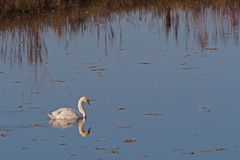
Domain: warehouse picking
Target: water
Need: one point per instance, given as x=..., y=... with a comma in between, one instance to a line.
x=155, y=93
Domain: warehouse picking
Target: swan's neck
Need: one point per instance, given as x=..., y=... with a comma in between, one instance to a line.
x=81, y=109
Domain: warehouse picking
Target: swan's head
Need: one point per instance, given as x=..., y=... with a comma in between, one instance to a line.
x=85, y=99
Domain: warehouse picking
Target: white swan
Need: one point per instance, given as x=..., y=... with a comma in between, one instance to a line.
x=69, y=113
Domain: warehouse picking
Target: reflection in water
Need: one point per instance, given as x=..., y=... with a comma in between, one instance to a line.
x=66, y=123
x=22, y=39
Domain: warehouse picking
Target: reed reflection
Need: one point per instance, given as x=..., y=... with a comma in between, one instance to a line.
x=66, y=123
x=22, y=39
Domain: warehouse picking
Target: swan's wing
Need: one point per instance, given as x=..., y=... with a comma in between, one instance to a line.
x=64, y=113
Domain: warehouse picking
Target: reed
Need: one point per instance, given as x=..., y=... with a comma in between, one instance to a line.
x=12, y=8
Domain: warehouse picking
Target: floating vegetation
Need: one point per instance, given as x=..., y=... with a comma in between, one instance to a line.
x=187, y=55
x=113, y=150
x=92, y=67
x=130, y=140
x=123, y=49
x=19, y=106
x=82, y=62
x=188, y=68
x=57, y=81
x=3, y=133
x=121, y=108
x=123, y=126
x=204, y=151
x=211, y=49
x=17, y=81
x=36, y=125
x=144, y=62
x=205, y=109
x=98, y=69
x=218, y=149
x=62, y=144
x=25, y=148
x=152, y=114
x=38, y=139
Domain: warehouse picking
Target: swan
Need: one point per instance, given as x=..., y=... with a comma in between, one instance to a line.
x=69, y=113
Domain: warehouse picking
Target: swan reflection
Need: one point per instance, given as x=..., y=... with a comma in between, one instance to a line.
x=66, y=123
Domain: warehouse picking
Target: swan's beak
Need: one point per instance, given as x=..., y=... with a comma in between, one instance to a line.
x=89, y=103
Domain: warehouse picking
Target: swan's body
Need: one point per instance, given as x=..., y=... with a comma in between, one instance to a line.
x=69, y=113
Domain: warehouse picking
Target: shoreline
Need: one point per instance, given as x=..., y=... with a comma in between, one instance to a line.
x=15, y=8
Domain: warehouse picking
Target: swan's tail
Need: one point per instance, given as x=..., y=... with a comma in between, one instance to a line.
x=50, y=115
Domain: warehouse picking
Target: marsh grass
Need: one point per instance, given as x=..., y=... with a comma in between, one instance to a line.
x=9, y=8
